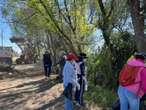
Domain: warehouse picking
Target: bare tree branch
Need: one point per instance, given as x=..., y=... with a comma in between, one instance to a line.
x=111, y=8
x=55, y=23
x=102, y=8
x=69, y=17
x=23, y=20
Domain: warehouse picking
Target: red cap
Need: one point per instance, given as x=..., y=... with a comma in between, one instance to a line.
x=72, y=56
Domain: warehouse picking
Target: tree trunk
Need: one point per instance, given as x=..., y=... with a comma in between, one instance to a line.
x=138, y=24
x=144, y=2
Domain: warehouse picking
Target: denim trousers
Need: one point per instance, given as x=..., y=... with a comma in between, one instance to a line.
x=128, y=99
x=47, y=69
x=68, y=104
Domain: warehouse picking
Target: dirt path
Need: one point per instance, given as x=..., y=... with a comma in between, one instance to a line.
x=28, y=89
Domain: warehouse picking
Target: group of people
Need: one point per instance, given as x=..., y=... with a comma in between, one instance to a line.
x=72, y=74
x=74, y=79
x=132, y=80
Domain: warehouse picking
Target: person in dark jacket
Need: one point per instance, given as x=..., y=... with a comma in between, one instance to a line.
x=47, y=63
x=61, y=63
x=81, y=79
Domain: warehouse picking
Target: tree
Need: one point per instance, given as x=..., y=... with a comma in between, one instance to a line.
x=137, y=14
x=43, y=23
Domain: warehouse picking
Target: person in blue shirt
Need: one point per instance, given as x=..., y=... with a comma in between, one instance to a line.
x=70, y=79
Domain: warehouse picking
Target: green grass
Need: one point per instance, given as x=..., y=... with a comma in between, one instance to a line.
x=99, y=96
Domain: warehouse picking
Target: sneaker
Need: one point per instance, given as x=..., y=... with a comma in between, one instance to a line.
x=77, y=104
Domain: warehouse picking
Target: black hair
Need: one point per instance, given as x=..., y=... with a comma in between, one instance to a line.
x=141, y=56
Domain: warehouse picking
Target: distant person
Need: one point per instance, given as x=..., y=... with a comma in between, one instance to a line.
x=47, y=63
x=81, y=79
x=70, y=80
x=61, y=63
x=132, y=82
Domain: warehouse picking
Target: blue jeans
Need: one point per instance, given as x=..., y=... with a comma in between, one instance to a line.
x=47, y=69
x=68, y=104
x=128, y=99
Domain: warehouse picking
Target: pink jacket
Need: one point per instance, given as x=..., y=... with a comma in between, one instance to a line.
x=138, y=88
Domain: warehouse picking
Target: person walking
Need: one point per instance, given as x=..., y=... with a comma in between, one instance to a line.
x=132, y=82
x=81, y=79
x=47, y=63
x=70, y=80
x=61, y=63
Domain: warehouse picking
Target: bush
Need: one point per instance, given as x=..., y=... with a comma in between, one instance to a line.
x=100, y=96
x=104, y=66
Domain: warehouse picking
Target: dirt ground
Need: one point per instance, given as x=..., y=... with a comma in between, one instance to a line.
x=26, y=88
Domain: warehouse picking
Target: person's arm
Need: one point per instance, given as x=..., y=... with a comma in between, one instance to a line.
x=82, y=68
x=49, y=59
x=143, y=79
x=43, y=59
x=74, y=79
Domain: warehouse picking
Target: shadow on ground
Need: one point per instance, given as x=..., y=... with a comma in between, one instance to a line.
x=28, y=89
x=58, y=102
x=25, y=90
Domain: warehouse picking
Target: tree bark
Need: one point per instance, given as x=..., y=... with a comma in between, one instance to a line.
x=138, y=24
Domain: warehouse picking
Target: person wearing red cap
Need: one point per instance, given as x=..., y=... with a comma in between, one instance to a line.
x=70, y=80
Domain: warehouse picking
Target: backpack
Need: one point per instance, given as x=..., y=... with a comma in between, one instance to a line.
x=128, y=75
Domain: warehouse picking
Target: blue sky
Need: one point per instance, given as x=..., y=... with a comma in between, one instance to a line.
x=7, y=33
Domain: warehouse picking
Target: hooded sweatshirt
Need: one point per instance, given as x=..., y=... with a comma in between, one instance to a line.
x=137, y=87
x=69, y=74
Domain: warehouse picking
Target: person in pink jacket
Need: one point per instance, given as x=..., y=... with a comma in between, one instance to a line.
x=130, y=94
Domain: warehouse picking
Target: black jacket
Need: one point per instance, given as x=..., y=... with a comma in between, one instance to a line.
x=47, y=59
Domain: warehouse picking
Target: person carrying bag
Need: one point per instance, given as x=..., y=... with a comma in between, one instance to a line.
x=132, y=85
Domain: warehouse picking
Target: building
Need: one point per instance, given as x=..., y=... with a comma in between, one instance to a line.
x=6, y=55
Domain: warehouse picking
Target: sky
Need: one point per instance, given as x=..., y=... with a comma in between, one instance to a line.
x=7, y=34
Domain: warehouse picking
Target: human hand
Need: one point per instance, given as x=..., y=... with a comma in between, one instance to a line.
x=78, y=86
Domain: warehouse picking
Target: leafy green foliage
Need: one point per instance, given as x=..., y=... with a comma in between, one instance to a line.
x=104, y=67
x=101, y=96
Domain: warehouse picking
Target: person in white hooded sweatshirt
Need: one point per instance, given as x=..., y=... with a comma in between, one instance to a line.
x=70, y=79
